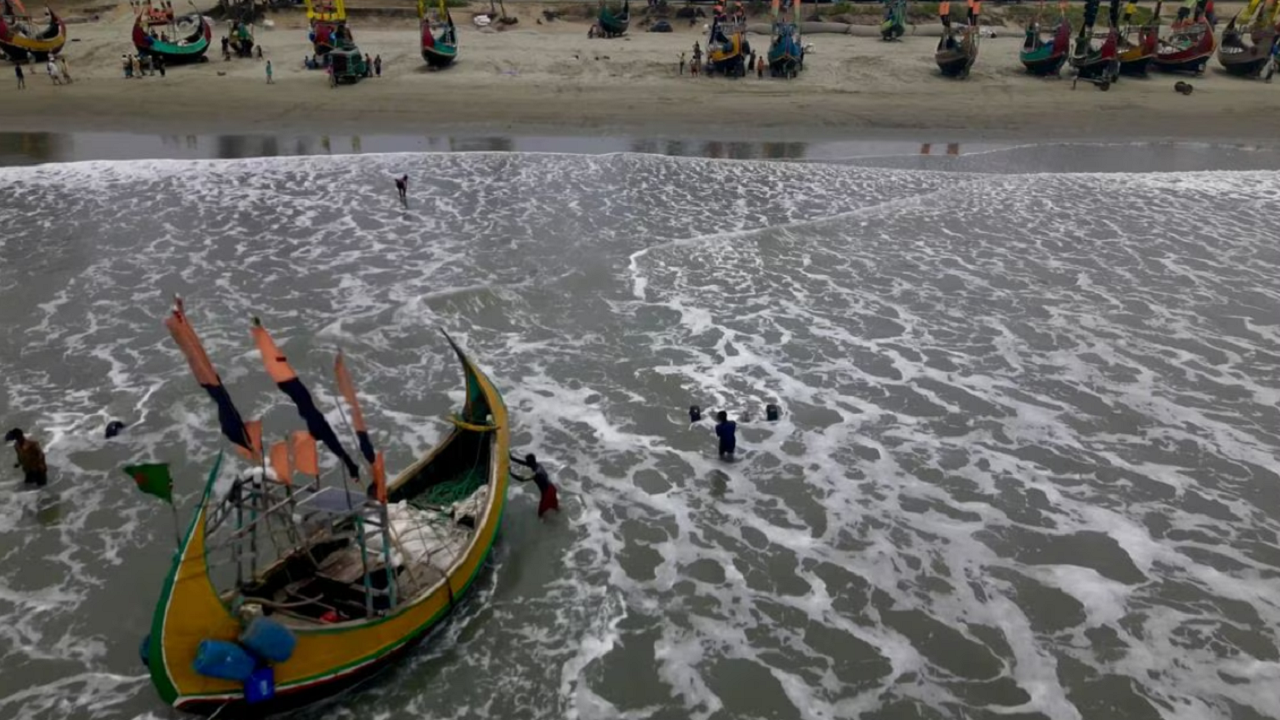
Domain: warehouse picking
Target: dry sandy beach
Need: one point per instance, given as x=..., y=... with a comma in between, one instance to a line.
x=551, y=78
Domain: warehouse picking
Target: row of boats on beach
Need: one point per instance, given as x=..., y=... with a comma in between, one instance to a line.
x=1249, y=46
x=158, y=31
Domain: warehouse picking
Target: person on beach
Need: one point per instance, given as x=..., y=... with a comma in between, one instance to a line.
x=680, y=67
x=377, y=66
x=137, y=67
x=402, y=187
x=726, y=430
x=760, y=68
x=128, y=68
x=30, y=458
x=269, y=80
x=368, y=66
x=62, y=70
x=226, y=48
x=52, y=69
x=22, y=79
x=160, y=64
x=693, y=68
x=548, y=499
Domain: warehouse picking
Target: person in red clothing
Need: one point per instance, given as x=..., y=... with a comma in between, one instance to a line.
x=549, y=500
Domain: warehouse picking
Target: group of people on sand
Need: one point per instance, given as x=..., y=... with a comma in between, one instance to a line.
x=138, y=65
x=55, y=66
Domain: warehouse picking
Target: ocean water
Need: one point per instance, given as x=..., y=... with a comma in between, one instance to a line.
x=1025, y=467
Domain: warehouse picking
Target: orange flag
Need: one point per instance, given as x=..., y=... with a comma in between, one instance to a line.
x=380, y=478
x=280, y=462
x=304, y=453
x=254, y=429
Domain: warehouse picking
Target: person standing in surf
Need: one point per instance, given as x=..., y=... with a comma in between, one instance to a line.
x=30, y=458
x=402, y=187
x=548, y=499
x=726, y=430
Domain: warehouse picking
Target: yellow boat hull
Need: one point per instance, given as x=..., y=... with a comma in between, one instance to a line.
x=327, y=658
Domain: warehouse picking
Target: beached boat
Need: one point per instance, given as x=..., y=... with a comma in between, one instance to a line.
x=347, y=66
x=1137, y=44
x=281, y=593
x=329, y=29
x=786, y=50
x=1190, y=45
x=614, y=24
x=958, y=48
x=1046, y=48
x=727, y=47
x=1096, y=62
x=894, y=23
x=439, y=43
x=1248, y=39
x=191, y=48
x=20, y=36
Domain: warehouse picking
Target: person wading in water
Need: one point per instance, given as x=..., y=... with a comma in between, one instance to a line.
x=402, y=187
x=726, y=430
x=30, y=458
x=549, y=500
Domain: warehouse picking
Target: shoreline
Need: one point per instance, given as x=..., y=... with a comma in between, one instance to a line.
x=549, y=79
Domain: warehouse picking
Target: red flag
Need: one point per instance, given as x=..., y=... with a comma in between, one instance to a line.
x=380, y=478
x=304, y=453
x=280, y=462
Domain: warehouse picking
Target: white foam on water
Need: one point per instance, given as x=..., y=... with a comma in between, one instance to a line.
x=1027, y=437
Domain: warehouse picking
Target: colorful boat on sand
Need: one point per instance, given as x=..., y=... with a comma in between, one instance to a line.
x=786, y=49
x=1248, y=42
x=611, y=23
x=894, y=23
x=189, y=49
x=958, y=48
x=727, y=46
x=21, y=37
x=1045, y=49
x=439, y=42
x=1137, y=44
x=328, y=25
x=1098, y=63
x=1191, y=43
x=283, y=593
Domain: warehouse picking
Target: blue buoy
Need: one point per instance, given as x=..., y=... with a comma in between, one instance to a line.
x=269, y=640
x=261, y=686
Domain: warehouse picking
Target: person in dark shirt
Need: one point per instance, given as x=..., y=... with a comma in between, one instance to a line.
x=402, y=187
x=549, y=500
x=30, y=458
x=726, y=430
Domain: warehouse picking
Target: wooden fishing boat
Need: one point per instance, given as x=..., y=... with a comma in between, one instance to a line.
x=1045, y=49
x=329, y=29
x=958, y=47
x=1188, y=48
x=1098, y=63
x=614, y=24
x=360, y=577
x=786, y=54
x=1248, y=39
x=727, y=47
x=19, y=35
x=894, y=24
x=439, y=44
x=1137, y=45
x=347, y=66
x=190, y=49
